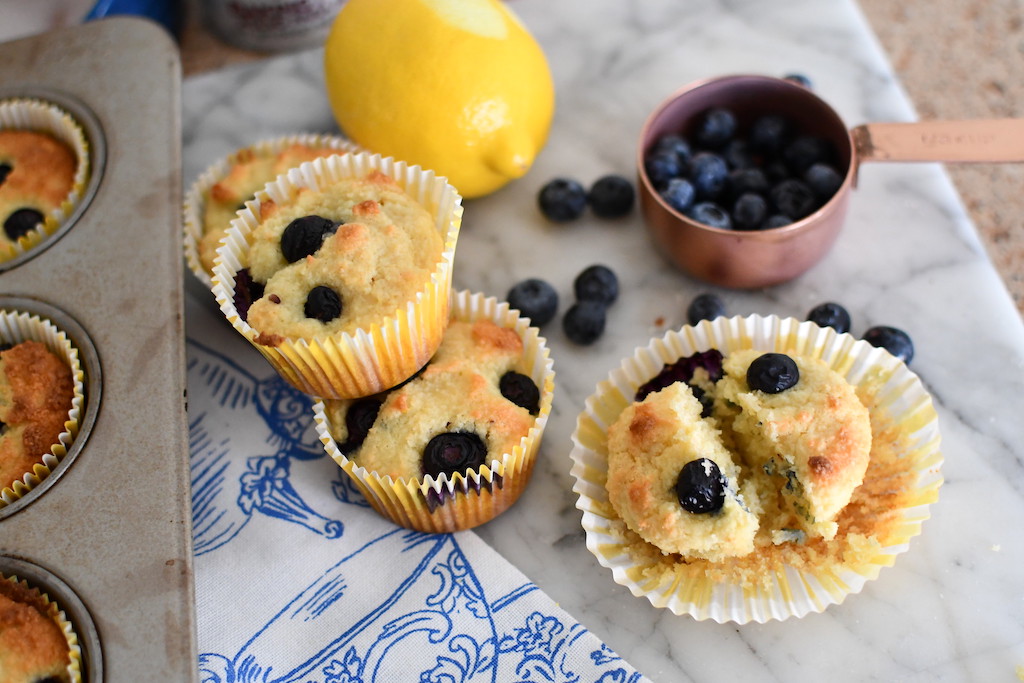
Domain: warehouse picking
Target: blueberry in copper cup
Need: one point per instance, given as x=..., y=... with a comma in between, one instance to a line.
x=806, y=155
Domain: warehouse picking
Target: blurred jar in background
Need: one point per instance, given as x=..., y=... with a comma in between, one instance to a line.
x=271, y=25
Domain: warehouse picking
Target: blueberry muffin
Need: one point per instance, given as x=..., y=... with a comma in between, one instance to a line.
x=36, y=392
x=801, y=425
x=674, y=483
x=250, y=169
x=768, y=448
x=339, y=259
x=37, y=174
x=33, y=647
x=467, y=407
x=339, y=273
x=454, y=446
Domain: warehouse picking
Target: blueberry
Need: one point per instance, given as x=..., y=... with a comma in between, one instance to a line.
x=743, y=180
x=520, y=390
x=769, y=134
x=830, y=315
x=793, y=198
x=737, y=154
x=675, y=144
x=749, y=211
x=596, y=283
x=535, y=299
x=679, y=194
x=5, y=170
x=663, y=166
x=323, y=304
x=892, y=339
x=21, y=223
x=701, y=486
x=772, y=373
x=714, y=128
x=799, y=79
x=360, y=417
x=777, y=221
x=824, y=180
x=709, y=174
x=683, y=370
x=710, y=214
x=706, y=306
x=562, y=199
x=775, y=171
x=611, y=196
x=304, y=236
x=805, y=151
x=584, y=322
x=247, y=291
x=451, y=452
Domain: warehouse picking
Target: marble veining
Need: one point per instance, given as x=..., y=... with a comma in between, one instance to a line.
x=952, y=607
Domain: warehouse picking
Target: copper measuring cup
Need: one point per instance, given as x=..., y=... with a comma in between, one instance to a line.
x=759, y=258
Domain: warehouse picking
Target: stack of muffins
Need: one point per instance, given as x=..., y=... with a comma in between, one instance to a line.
x=339, y=272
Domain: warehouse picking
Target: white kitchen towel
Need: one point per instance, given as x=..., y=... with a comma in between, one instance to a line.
x=298, y=579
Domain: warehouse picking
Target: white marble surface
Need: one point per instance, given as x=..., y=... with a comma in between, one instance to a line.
x=952, y=607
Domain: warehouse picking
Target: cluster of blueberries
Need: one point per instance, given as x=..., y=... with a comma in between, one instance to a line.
x=595, y=288
x=565, y=199
x=708, y=306
x=767, y=176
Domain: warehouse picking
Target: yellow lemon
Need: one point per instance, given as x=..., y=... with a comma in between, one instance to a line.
x=459, y=87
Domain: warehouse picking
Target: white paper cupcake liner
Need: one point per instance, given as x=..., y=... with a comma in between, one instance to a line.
x=468, y=500
x=900, y=403
x=367, y=360
x=16, y=327
x=194, y=205
x=43, y=117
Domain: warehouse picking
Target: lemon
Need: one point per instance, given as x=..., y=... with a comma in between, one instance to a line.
x=459, y=87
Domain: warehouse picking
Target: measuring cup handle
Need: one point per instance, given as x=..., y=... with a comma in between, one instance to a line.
x=979, y=140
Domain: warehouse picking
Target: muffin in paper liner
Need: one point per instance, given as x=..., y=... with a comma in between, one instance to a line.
x=21, y=591
x=194, y=205
x=19, y=326
x=467, y=501
x=44, y=117
x=902, y=480
x=367, y=360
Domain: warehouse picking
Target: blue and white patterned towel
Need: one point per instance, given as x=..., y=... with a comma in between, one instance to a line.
x=298, y=579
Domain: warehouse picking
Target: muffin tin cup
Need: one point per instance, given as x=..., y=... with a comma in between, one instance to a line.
x=366, y=360
x=55, y=612
x=194, y=204
x=484, y=494
x=45, y=117
x=900, y=409
x=18, y=326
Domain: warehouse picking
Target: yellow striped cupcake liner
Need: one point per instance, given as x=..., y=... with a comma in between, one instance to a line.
x=194, y=205
x=44, y=117
x=905, y=459
x=367, y=360
x=484, y=494
x=19, y=326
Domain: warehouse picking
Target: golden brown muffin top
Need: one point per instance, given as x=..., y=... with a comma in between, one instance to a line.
x=36, y=389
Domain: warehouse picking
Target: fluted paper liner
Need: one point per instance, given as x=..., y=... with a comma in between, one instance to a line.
x=901, y=403
x=367, y=360
x=44, y=117
x=484, y=494
x=16, y=327
x=194, y=205
x=54, y=611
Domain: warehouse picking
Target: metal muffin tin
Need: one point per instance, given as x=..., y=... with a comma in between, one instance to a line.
x=108, y=534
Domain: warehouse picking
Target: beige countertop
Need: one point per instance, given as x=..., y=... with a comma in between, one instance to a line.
x=956, y=59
